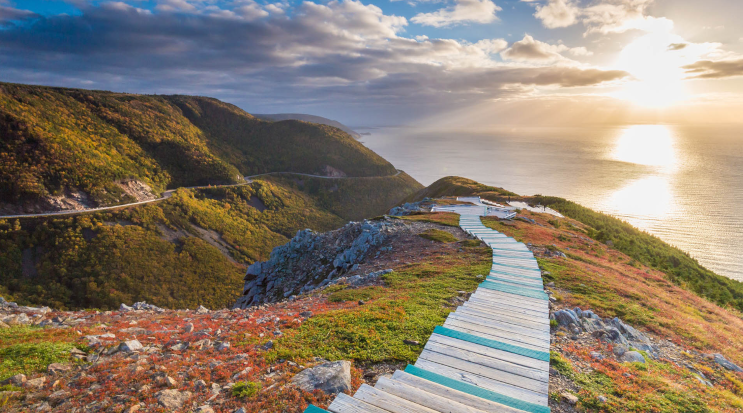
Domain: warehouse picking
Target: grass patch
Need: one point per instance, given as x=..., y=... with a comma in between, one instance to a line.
x=413, y=301
x=444, y=218
x=27, y=349
x=438, y=235
x=561, y=364
x=245, y=389
x=30, y=358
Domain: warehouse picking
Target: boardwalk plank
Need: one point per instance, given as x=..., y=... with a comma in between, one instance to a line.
x=501, y=376
x=452, y=394
x=517, y=359
x=484, y=382
x=499, y=335
x=487, y=361
x=516, y=312
x=422, y=397
x=526, y=302
x=537, y=334
x=540, y=325
x=344, y=403
x=388, y=402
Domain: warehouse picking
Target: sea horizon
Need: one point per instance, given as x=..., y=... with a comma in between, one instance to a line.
x=678, y=182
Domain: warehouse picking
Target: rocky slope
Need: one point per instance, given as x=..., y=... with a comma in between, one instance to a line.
x=625, y=338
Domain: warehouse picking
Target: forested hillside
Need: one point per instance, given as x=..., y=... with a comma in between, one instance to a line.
x=186, y=251
x=57, y=142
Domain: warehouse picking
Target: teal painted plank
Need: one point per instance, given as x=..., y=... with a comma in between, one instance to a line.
x=492, y=271
x=491, y=285
x=476, y=391
x=539, y=355
x=496, y=261
x=516, y=284
x=314, y=409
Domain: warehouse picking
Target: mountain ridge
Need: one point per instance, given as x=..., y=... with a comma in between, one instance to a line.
x=308, y=118
x=62, y=145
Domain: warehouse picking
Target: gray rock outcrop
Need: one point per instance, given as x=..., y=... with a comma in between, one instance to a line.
x=613, y=330
x=633, y=357
x=311, y=258
x=721, y=360
x=410, y=207
x=333, y=377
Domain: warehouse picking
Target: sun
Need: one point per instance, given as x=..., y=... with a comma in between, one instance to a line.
x=657, y=67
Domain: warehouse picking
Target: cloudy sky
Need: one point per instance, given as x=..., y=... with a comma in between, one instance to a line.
x=385, y=62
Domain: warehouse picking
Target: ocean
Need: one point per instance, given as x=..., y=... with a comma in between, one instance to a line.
x=683, y=184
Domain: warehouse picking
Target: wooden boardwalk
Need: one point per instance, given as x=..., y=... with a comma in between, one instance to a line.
x=491, y=354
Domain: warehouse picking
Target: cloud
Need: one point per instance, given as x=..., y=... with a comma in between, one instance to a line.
x=557, y=13
x=707, y=69
x=604, y=16
x=492, y=46
x=529, y=49
x=464, y=11
x=8, y=14
x=340, y=53
x=580, y=51
x=677, y=46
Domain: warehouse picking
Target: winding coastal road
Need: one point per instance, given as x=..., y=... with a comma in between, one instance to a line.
x=167, y=194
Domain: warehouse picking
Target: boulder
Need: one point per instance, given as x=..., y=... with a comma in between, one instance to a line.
x=633, y=357
x=18, y=380
x=721, y=360
x=179, y=346
x=204, y=409
x=36, y=383
x=566, y=317
x=131, y=346
x=55, y=368
x=592, y=325
x=333, y=377
x=172, y=399
x=58, y=397
x=619, y=350
x=570, y=398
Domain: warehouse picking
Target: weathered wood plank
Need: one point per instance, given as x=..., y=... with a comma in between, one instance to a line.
x=388, y=402
x=499, y=335
x=507, y=314
x=484, y=382
x=525, y=302
x=344, y=403
x=489, y=362
x=537, y=334
x=500, y=376
x=540, y=325
x=517, y=359
x=422, y=397
x=493, y=306
x=452, y=394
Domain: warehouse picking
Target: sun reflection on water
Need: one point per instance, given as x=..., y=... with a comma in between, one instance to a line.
x=651, y=196
x=651, y=145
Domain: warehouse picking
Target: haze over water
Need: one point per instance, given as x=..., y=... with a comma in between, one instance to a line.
x=683, y=184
